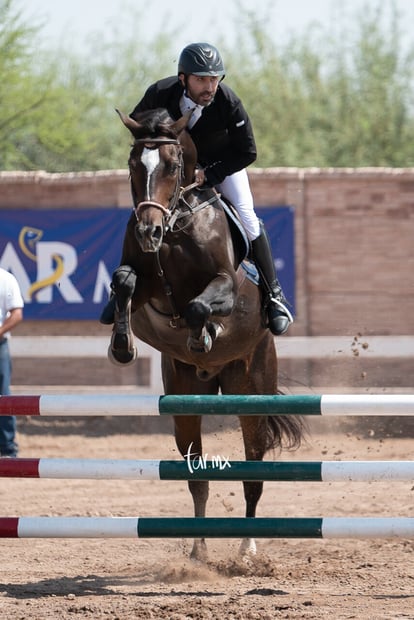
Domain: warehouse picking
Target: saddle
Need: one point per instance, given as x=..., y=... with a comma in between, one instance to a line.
x=240, y=241
x=238, y=234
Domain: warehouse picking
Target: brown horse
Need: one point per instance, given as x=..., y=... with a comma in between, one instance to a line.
x=180, y=289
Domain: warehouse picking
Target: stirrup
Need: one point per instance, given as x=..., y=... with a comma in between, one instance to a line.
x=282, y=307
x=278, y=316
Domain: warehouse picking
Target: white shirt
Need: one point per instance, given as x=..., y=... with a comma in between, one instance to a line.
x=188, y=104
x=10, y=295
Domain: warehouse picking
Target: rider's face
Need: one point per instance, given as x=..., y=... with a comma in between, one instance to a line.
x=201, y=89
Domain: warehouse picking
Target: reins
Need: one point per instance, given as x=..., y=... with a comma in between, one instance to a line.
x=178, y=214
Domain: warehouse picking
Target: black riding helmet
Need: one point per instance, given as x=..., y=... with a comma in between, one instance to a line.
x=201, y=59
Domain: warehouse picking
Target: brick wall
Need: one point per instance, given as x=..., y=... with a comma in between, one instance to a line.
x=354, y=238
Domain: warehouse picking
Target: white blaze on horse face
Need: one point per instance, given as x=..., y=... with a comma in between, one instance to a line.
x=150, y=158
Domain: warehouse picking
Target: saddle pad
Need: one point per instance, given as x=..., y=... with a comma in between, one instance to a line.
x=251, y=271
x=239, y=234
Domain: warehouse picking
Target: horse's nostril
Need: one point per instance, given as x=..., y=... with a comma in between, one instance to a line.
x=148, y=237
x=157, y=233
x=138, y=232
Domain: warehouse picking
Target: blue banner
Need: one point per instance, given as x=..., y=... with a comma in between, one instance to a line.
x=63, y=259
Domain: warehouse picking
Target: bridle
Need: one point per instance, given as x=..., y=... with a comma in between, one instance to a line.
x=152, y=144
x=170, y=213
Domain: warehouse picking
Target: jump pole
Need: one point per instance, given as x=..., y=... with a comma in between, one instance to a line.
x=133, y=405
x=217, y=469
x=207, y=527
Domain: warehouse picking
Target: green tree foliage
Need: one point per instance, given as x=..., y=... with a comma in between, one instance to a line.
x=337, y=96
x=18, y=97
x=58, y=107
x=39, y=123
x=119, y=68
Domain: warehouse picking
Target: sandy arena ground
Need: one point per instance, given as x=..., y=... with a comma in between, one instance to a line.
x=153, y=579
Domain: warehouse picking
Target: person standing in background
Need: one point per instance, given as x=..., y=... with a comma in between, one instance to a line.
x=11, y=313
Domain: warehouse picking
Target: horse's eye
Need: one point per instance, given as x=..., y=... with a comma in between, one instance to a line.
x=172, y=168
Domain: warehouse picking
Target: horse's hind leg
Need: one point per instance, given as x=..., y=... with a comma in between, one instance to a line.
x=254, y=436
x=181, y=378
x=258, y=375
x=122, y=349
x=188, y=439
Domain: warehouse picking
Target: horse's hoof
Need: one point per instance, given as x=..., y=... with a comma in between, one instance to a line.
x=214, y=329
x=247, y=549
x=200, y=346
x=122, y=358
x=122, y=350
x=199, y=553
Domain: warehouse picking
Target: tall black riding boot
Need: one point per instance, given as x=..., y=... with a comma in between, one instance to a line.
x=278, y=315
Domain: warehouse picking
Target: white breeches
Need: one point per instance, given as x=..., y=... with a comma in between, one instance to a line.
x=236, y=189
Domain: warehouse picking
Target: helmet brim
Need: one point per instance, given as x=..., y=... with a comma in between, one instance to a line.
x=208, y=73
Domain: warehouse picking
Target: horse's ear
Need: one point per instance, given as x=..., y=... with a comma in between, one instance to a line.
x=129, y=122
x=182, y=122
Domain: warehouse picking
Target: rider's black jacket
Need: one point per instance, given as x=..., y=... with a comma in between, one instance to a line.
x=223, y=134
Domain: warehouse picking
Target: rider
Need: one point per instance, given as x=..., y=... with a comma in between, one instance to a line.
x=223, y=136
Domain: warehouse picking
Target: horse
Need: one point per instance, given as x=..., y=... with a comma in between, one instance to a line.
x=181, y=288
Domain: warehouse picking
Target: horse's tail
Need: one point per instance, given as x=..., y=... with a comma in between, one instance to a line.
x=284, y=431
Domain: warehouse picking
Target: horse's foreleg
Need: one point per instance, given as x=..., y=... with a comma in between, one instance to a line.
x=200, y=339
x=188, y=440
x=122, y=349
x=217, y=299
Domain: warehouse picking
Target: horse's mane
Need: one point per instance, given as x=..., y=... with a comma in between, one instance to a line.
x=155, y=123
